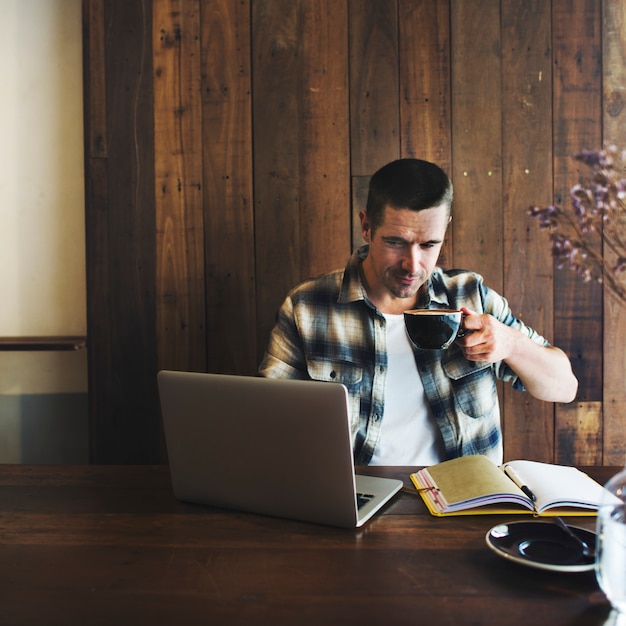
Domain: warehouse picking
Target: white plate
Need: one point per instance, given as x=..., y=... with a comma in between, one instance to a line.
x=542, y=545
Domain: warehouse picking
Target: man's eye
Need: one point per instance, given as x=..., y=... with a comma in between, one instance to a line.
x=393, y=243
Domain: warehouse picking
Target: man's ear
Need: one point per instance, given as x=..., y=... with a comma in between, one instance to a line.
x=366, y=227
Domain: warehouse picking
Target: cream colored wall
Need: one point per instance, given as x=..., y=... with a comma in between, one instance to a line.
x=42, y=257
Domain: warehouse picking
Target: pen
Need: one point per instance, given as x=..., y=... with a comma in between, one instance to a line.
x=512, y=474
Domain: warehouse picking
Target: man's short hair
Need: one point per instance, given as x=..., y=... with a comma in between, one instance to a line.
x=407, y=184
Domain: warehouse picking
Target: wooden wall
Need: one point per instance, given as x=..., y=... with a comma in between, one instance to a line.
x=229, y=145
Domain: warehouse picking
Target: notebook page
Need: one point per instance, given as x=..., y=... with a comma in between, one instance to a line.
x=558, y=484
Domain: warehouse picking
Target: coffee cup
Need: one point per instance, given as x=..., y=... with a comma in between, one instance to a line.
x=433, y=329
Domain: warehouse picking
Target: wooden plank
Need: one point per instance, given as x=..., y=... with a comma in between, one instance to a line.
x=121, y=330
x=424, y=42
x=374, y=109
x=301, y=157
x=178, y=185
x=325, y=236
x=527, y=180
x=614, y=130
x=476, y=133
x=132, y=252
x=98, y=280
x=94, y=78
x=276, y=114
x=229, y=218
x=425, y=117
x=579, y=439
x=577, y=114
x=99, y=328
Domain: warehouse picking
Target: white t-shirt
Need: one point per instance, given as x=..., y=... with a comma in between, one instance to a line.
x=409, y=434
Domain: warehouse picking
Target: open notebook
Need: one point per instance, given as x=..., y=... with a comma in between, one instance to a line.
x=275, y=447
x=473, y=485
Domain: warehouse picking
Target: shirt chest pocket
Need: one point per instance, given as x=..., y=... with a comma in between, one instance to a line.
x=473, y=386
x=347, y=374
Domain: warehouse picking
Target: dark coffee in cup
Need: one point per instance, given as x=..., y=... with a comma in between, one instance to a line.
x=433, y=329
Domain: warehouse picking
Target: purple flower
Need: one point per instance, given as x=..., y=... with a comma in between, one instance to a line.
x=620, y=266
x=594, y=224
x=592, y=158
x=547, y=216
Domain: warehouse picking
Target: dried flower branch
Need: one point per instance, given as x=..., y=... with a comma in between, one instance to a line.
x=590, y=237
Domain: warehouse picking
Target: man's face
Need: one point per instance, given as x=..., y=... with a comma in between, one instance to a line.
x=403, y=252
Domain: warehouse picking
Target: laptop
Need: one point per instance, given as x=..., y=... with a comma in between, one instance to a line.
x=267, y=446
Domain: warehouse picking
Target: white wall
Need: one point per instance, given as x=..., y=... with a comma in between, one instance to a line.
x=43, y=414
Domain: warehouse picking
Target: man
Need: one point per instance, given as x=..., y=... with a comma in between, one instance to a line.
x=411, y=406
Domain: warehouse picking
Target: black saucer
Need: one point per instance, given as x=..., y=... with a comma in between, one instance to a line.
x=542, y=544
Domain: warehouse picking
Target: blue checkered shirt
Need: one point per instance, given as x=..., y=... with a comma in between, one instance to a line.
x=327, y=329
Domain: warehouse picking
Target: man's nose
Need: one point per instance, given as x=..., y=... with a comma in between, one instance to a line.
x=412, y=259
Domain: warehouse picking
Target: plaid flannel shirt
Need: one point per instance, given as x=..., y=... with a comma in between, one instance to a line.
x=327, y=329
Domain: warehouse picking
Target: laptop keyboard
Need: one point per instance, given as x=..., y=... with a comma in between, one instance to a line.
x=362, y=499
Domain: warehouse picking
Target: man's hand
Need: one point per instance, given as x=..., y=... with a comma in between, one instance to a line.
x=486, y=339
x=545, y=371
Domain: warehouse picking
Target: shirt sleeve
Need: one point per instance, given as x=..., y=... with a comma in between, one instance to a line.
x=284, y=357
x=497, y=305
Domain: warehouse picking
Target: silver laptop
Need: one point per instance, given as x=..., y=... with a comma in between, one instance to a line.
x=274, y=447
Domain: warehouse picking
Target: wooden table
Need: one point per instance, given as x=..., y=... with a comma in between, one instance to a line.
x=95, y=545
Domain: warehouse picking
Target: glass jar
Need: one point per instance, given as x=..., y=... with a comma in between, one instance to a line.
x=611, y=542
